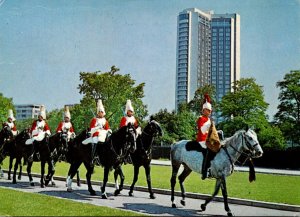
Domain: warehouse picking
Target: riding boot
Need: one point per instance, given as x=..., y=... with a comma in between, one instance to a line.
x=34, y=148
x=93, y=153
x=204, y=165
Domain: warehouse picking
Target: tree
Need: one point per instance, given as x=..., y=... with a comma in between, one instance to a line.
x=177, y=126
x=195, y=104
x=113, y=89
x=244, y=107
x=288, y=115
x=5, y=105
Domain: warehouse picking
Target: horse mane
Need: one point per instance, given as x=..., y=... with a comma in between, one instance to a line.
x=232, y=140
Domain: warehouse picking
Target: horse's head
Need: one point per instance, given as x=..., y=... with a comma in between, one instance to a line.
x=6, y=132
x=251, y=143
x=153, y=129
x=23, y=135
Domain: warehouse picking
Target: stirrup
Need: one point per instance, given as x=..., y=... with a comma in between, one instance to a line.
x=30, y=158
x=38, y=156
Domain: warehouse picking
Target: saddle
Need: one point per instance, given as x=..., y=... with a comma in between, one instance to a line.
x=194, y=146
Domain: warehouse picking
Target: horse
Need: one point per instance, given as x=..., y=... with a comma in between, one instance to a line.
x=6, y=137
x=44, y=157
x=18, y=153
x=111, y=154
x=241, y=143
x=60, y=148
x=143, y=154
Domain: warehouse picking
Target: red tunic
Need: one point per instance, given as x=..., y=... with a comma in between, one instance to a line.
x=201, y=137
x=33, y=127
x=125, y=120
x=94, y=123
x=60, y=126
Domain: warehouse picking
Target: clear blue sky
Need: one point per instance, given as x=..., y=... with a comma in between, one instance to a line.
x=45, y=44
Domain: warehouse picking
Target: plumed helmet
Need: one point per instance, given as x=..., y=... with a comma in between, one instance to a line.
x=67, y=113
x=11, y=114
x=100, y=107
x=129, y=106
x=206, y=103
x=42, y=112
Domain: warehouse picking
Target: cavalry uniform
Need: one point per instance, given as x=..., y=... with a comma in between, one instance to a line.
x=39, y=131
x=99, y=131
x=66, y=126
x=10, y=122
x=129, y=118
x=203, y=124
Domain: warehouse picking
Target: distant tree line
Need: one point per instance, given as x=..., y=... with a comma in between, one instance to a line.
x=245, y=106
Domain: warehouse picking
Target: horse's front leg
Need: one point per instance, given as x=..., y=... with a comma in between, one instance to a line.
x=18, y=161
x=148, y=177
x=225, y=196
x=71, y=173
x=135, y=178
x=217, y=188
x=78, y=179
x=105, y=179
x=51, y=171
x=20, y=171
x=119, y=188
x=175, y=169
x=29, y=165
x=89, y=172
x=42, y=173
x=10, y=167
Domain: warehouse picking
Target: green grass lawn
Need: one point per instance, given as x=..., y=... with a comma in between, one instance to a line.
x=267, y=187
x=17, y=203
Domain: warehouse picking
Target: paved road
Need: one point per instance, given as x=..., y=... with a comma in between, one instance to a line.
x=141, y=202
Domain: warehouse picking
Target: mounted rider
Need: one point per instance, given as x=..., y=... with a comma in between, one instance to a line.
x=39, y=130
x=99, y=129
x=66, y=126
x=129, y=118
x=204, y=125
x=11, y=122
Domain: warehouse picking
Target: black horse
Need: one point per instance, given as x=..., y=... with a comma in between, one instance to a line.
x=18, y=151
x=42, y=153
x=6, y=141
x=143, y=154
x=60, y=149
x=111, y=155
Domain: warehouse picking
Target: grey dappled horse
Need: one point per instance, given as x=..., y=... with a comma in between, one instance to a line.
x=241, y=143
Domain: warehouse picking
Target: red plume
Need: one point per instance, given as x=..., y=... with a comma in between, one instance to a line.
x=206, y=97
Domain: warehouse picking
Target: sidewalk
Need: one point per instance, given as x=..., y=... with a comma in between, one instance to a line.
x=243, y=169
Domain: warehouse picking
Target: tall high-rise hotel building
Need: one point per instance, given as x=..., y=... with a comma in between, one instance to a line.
x=208, y=52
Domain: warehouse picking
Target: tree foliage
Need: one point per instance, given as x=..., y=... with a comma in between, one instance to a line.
x=177, y=126
x=245, y=107
x=5, y=105
x=113, y=89
x=288, y=115
x=196, y=103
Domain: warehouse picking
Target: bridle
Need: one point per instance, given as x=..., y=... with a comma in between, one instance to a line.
x=248, y=155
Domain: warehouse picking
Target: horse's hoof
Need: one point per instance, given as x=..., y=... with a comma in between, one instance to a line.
x=117, y=192
x=14, y=181
x=152, y=196
x=229, y=213
x=130, y=193
x=78, y=184
x=92, y=192
x=203, y=207
x=104, y=196
x=19, y=177
x=42, y=186
x=174, y=205
x=69, y=189
x=182, y=202
x=9, y=178
x=31, y=183
x=47, y=182
x=53, y=184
